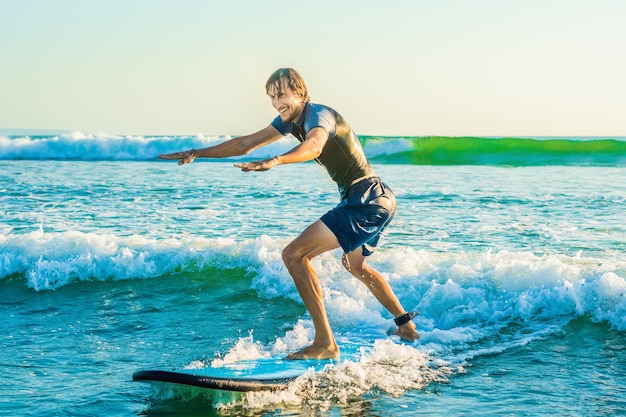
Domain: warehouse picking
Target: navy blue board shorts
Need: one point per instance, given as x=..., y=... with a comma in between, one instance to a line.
x=362, y=215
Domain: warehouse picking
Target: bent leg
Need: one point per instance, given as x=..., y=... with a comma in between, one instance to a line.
x=314, y=240
x=357, y=265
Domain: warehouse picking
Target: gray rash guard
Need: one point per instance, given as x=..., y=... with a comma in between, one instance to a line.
x=342, y=155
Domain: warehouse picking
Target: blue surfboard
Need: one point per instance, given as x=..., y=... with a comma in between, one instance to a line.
x=268, y=374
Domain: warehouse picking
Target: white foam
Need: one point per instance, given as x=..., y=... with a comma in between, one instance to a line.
x=384, y=365
x=247, y=348
x=471, y=304
x=104, y=146
x=388, y=146
x=453, y=290
x=52, y=260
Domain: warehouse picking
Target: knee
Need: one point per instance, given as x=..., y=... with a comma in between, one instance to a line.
x=345, y=262
x=356, y=269
x=291, y=256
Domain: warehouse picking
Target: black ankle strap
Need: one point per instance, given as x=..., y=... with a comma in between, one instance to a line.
x=405, y=318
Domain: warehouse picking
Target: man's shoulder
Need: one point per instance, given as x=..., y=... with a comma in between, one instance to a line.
x=316, y=108
x=318, y=112
x=319, y=115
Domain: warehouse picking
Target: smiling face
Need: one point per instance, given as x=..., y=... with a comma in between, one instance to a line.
x=288, y=104
x=288, y=92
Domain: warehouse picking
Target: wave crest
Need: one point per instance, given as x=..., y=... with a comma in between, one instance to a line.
x=412, y=150
x=453, y=290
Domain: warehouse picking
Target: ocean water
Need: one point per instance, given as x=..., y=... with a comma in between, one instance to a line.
x=511, y=248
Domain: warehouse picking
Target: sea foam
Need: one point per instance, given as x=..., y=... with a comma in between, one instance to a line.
x=451, y=289
x=389, y=150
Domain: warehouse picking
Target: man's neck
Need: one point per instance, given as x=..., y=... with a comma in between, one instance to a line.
x=300, y=114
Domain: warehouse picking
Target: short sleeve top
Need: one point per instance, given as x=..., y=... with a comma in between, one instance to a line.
x=343, y=155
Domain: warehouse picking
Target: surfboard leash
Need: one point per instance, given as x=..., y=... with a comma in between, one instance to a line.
x=405, y=318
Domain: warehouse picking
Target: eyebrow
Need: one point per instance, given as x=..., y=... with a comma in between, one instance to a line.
x=275, y=90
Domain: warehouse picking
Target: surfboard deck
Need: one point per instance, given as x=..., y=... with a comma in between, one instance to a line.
x=267, y=374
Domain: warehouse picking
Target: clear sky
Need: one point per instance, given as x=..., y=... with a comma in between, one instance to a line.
x=400, y=67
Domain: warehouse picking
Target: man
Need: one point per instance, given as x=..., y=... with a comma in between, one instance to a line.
x=367, y=204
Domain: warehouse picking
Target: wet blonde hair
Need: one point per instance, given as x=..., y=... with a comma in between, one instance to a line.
x=288, y=77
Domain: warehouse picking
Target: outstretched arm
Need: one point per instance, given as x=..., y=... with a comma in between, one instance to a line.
x=232, y=147
x=310, y=149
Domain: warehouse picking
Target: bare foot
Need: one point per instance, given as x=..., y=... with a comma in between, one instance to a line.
x=316, y=352
x=407, y=332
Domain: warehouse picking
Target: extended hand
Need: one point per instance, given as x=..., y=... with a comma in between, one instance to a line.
x=185, y=157
x=258, y=165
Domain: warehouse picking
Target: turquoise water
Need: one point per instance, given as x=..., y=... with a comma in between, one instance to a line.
x=115, y=264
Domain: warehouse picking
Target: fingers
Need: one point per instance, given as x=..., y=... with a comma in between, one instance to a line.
x=187, y=160
x=252, y=166
x=245, y=167
x=175, y=155
x=257, y=165
x=183, y=157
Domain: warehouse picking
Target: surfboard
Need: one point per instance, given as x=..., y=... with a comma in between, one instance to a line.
x=267, y=374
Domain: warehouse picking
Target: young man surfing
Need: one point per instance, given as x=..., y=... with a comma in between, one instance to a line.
x=355, y=225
